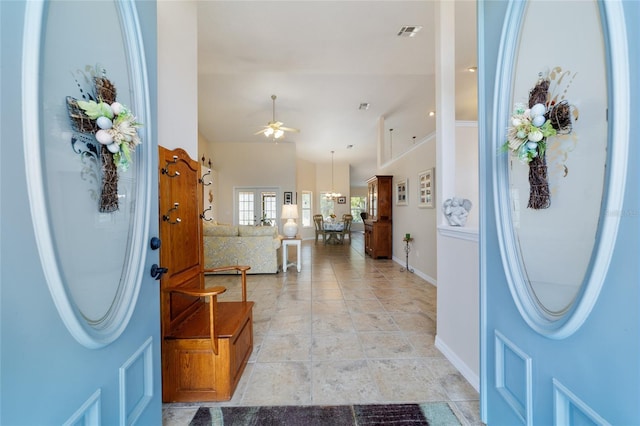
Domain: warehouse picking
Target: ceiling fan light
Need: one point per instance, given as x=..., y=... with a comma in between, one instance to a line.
x=268, y=132
x=278, y=134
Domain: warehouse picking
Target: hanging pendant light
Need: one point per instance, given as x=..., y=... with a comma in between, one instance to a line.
x=333, y=195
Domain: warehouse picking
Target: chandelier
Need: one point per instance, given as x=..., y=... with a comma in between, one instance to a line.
x=333, y=195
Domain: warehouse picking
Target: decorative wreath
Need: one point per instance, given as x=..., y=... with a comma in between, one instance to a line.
x=531, y=126
x=115, y=129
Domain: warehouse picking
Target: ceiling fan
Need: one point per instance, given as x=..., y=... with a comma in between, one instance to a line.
x=275, y=129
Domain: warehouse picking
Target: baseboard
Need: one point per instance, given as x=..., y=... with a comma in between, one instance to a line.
x=429, y=279
x=462, y=367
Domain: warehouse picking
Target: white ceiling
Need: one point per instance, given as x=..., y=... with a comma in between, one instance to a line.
x=322, y=59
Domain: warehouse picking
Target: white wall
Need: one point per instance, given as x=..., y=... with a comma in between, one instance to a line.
x=306, y=181
x=210, y=191
x=458, y=302
x=457, y=248
x=467, y=168
x=178, y=76
x=341, y=179
x=419, y=222
x=251, y=165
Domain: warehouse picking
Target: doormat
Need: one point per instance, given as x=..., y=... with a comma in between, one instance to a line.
x=434, y=414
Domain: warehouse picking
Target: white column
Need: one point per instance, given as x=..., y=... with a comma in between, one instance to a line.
x=445, y=104
x=178, y=76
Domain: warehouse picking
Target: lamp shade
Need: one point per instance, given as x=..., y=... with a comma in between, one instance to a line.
x=290, y=211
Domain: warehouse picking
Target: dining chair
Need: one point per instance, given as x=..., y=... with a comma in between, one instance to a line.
x=318, y=220
x=347, y=219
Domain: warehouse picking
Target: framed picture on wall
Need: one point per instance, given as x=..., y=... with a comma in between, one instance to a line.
x=342, y=200
x=402, y=192
x=426, y=189
x=288, y=197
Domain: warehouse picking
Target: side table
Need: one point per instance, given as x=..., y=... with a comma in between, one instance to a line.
x=286, y=242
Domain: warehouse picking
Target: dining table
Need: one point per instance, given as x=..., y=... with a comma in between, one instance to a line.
x=333, y=228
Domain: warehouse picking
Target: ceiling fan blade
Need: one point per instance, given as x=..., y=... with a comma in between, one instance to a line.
x=275, y=127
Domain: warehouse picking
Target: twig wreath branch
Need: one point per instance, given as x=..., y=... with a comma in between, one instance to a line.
x=531, y=125
x=113, y=126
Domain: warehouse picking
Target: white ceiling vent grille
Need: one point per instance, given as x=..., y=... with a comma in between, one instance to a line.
x=409, y=31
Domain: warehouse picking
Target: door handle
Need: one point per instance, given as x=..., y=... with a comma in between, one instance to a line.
x=155, y=243
x=158, y=271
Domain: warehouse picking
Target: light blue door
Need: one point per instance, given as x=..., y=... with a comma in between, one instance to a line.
x=79, y=309
x=560, y=285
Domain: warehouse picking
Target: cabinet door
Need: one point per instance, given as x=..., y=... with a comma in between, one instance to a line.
x=367, y=239
x=373, y=200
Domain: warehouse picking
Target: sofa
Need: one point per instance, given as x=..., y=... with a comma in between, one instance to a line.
x=256, y=246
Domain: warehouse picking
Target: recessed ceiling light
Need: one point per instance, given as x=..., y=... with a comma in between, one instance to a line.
x=364, y=106
x=409, y=30
x=472, y=69
x=432, y=113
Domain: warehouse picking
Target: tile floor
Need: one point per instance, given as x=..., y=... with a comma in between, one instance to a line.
x=347, y=329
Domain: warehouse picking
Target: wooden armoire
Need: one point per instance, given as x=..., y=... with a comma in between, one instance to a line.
x=378, y=226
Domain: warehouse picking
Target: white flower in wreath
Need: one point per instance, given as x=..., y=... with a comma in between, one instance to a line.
x=118, y=129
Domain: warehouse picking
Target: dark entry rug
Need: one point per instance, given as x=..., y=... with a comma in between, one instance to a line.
x=434, y=414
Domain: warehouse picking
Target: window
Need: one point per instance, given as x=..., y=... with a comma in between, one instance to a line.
x=358, y=206
x=306, y=208
x=269, y=211
x=257, y=206
x=326, y=205
x=246, y=209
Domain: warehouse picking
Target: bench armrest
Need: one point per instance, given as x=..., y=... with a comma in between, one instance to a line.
x=197, y=292
x=240, y=268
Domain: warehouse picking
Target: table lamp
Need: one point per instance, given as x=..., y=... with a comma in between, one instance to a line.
x=290, y=212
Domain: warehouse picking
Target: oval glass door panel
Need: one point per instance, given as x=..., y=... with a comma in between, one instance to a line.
x=556, y=250
x=92, y=202
x=556, y=242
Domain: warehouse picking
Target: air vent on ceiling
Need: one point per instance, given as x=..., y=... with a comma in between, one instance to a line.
x=409, y=31
x=364, y=106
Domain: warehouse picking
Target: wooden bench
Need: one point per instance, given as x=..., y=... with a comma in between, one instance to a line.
x=206, y=343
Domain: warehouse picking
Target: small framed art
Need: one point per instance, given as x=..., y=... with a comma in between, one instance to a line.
x=342, y=200
x=402, y=192
x=288, y=197
x=426, y=189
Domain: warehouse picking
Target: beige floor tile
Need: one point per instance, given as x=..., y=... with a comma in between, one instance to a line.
x=345, y=330
x=358, y=293
x=401, y=381
x=290, y=324
x=293, y=307
x=329, y=307
x=360, y=306
x=336, y=346
x=386, y=345
x=468, y=412
x=414, y=322
x=402, y=306
x=285, y=347
x=373, y=321
x=279, y=383
x=327, y=294
x=332, y=323
x=423, y=344
x=343, y=382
